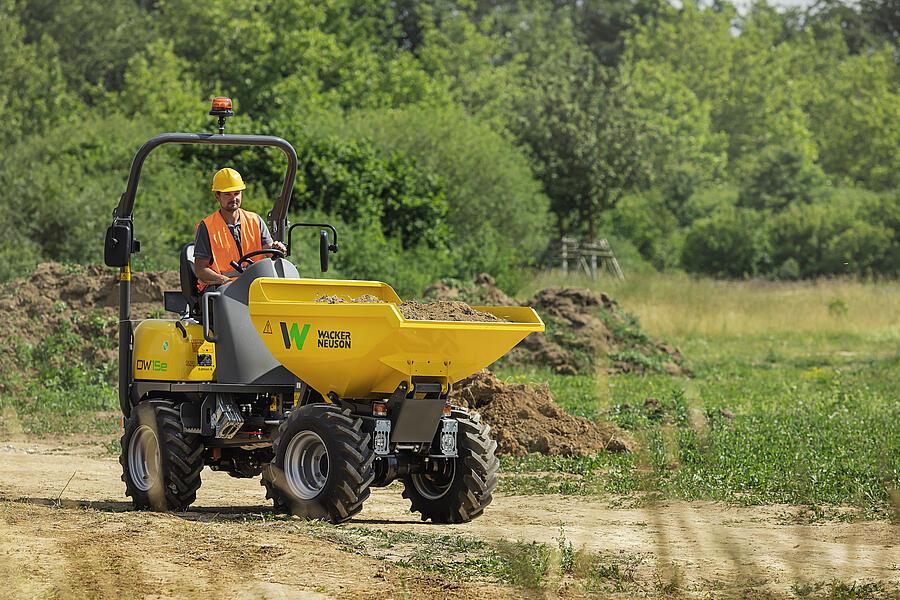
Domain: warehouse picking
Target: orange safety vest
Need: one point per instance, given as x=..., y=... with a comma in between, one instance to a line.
x=224, y=248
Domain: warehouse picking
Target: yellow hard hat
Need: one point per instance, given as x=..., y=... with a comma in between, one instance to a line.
x=227, y=180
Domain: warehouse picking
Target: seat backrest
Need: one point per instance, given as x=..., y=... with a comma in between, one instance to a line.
x=188, y=278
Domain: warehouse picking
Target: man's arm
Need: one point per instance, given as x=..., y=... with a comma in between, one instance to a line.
x=207, y=275
x=266, y=237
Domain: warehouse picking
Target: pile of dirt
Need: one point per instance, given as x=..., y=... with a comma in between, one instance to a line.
x=441, y=310
x=582, y=327
x=525, y=418
x=75, y=306
x=483, y=291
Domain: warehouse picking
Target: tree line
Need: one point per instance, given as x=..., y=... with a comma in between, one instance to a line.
x=456, y=136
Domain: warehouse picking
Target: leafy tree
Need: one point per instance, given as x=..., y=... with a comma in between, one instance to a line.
x=746, y=80
x=323, y=50
x=697, y=45
x=157, y=87
x=95, y=40
x=780, y=177
x=33, y=95
x=604, y=24
x=477, y=67
x=864, y=25
x=674, y=140
x=856, y=118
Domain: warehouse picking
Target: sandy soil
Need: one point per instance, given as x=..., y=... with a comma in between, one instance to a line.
x=89, y=544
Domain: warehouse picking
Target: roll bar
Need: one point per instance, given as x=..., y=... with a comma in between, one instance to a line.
x=277, y=218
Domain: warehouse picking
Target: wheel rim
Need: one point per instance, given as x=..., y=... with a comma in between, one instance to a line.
x=306, y=465
x=143, y=458
x=435, y=485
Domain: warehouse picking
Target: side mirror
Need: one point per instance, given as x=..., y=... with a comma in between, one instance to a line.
x=118, y=245
x=323, y=250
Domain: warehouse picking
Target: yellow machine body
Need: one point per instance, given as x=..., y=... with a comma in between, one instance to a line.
x=366, y=349
x=172, y=351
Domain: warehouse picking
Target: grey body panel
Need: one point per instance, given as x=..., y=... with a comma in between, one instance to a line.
x=241, y=355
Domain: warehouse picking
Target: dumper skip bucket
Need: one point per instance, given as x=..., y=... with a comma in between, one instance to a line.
x=366, y=349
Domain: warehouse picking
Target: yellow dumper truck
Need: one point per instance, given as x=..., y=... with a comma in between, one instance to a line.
x=323, y=400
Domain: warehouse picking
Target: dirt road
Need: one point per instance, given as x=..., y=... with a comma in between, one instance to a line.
x=82, y=540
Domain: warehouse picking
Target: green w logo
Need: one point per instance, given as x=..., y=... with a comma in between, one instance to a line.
x=297, y=335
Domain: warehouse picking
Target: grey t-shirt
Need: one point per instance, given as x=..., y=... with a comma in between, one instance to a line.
x=203, y=249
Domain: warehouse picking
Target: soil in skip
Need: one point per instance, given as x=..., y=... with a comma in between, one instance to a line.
x=440, y=310
x=525, y=418
x=582, y=328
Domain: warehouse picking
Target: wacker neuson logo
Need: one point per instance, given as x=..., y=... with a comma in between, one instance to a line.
x=295, y=336
x=333, y=339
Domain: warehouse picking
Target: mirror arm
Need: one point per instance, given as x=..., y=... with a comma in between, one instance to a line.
x=331, y=247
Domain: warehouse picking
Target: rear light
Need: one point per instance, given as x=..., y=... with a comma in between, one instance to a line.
x=448, y=410
x=379, y=409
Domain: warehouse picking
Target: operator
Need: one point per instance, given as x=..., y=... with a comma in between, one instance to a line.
x=228, y=233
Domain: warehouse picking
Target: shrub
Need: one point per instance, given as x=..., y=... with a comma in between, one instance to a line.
x=851, y=233
x=733, y=242
x=351, y=180
x=884, y=210
x=645, y=221
x=489, y=184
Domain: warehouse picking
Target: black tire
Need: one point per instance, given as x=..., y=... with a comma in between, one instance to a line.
x=160, y=476
x=329, y=464
x=457, y=490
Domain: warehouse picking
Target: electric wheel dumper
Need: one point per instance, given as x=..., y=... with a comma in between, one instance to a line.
x=323, y=400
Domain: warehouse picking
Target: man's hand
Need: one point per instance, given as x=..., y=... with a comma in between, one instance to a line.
x=276, y=246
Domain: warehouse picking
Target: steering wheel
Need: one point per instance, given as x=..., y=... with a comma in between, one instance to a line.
x=274, y=252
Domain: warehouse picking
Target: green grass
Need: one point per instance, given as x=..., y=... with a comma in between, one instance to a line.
x=525, y=564
x=793, y=418
x=673, y=304
x=839, y=590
